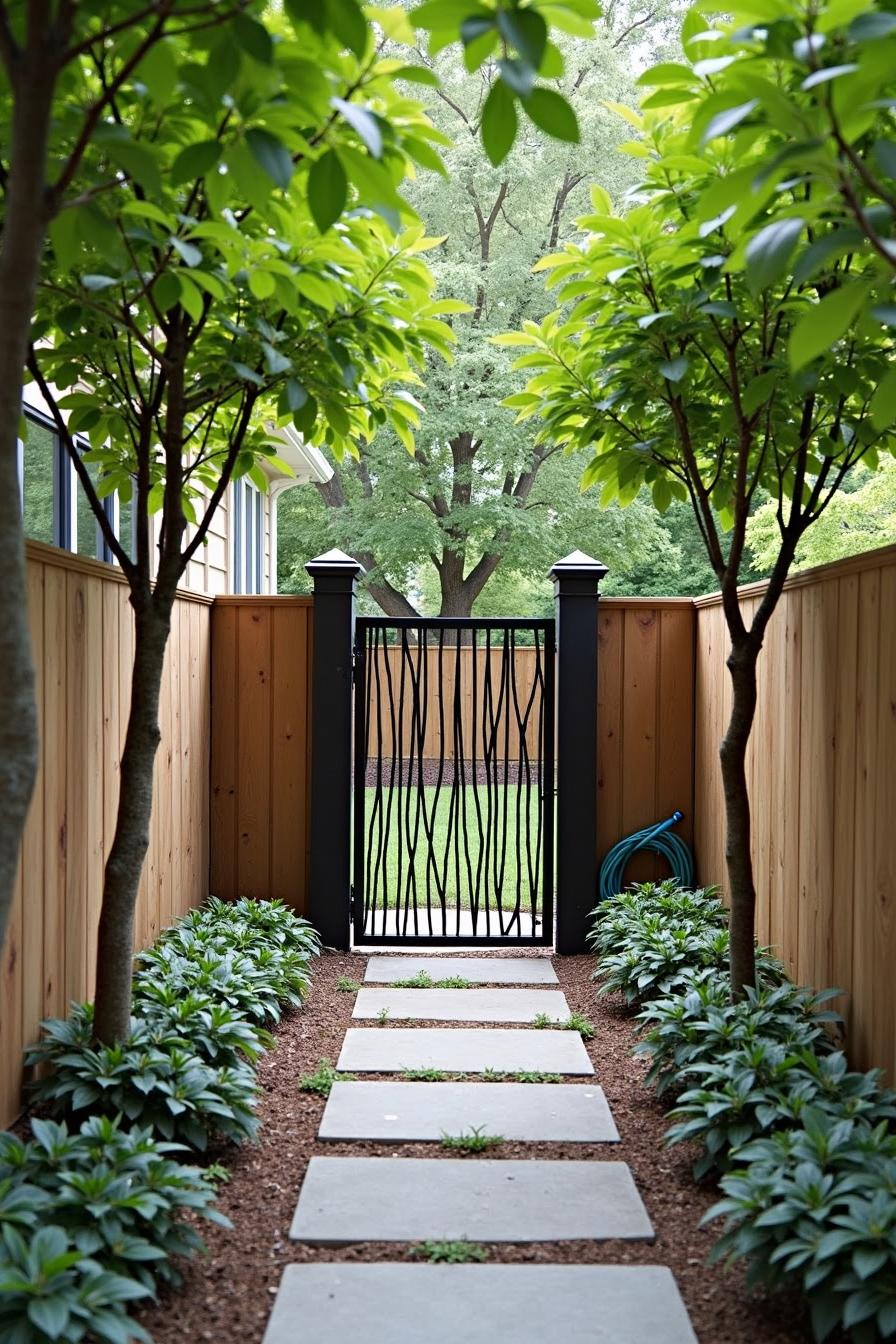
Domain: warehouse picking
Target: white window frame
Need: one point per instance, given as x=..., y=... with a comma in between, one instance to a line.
x=247, y=537
x=65, y=493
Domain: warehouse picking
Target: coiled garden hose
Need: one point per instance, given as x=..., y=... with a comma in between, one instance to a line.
x=658, y=840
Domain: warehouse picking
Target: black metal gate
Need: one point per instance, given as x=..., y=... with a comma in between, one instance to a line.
x=454, y=781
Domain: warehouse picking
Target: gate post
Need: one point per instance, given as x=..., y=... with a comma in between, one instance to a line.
x=335, y=576
x=576, y=584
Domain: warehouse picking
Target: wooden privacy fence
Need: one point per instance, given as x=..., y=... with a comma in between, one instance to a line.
x=822, y=771
x=261, y=747
x=261, y=648
x=822, y=776
x=82, y=634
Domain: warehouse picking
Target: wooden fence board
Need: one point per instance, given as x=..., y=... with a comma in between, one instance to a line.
x=82, y=638
x=822, y=784
x=261, y=728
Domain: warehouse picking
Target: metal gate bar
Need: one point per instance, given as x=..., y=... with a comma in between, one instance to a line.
x=454, y=781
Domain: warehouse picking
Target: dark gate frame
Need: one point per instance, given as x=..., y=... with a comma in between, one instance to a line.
x=431, y=633
x=576, y=590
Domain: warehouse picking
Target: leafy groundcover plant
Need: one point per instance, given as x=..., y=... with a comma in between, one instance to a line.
x=91, y=1205
x=802, y=1143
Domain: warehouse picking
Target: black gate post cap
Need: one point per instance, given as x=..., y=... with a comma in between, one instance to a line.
x=334, y=573
x=335, y=562
x=577, y=572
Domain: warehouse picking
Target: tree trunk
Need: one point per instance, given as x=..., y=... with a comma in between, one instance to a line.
x=24, y=227
x=115, y=938
x=738, y=857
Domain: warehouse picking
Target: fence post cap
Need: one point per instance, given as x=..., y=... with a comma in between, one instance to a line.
x=335, y=562
x=580, y=565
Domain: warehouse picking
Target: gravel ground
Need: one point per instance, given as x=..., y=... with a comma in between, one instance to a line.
x=228, y=1293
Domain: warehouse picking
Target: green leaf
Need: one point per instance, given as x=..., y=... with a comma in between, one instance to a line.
x=418, y=74
x=253, y=37
x=517, y=75
x=194, y=161
x=296, y=394
x=98, y=282
x=669, y=72
x=885, y=156
x=825, y=76
x=275, y=362
x=552, y=113
x=883, y=403
x=65, y=235
x=188, y=252
x=769, y=252
x=824, y=323
x=871, y=26
x=364, y=123
x=499, y=122
x=158, y=71
x=50, y=1314
x=526, y=31
x=271, y=155
x=262, y=284
x=723, y=122
x=346, y=20
x=166, y=291
x=675, y=369
x=304, y=416
x=327, y=190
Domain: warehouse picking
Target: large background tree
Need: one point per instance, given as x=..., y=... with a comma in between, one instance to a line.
x=432, y=530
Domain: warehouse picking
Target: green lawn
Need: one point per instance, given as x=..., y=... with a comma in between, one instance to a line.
x=465, y=838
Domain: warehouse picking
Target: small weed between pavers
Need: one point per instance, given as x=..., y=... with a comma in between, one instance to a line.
x=575, y=1022
x=382, y=1016
x=423, y=980
x=426, y=1075
x=536, y=1076
x=474, y=1142
x=449, y=1252
x=323, y=1078
x=346, y=985
x=493, y=1076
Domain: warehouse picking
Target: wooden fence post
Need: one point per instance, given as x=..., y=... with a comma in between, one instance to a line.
x=335, y=576
x=576, y=583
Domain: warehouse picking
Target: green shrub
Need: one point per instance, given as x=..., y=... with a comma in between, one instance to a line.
x=219, y=1034
x=118, y=1193
x=817, y=1206
x=699, y=1026
x=658, y=940
x=51, y=1291
x=153, y=1078
x=764, y=1086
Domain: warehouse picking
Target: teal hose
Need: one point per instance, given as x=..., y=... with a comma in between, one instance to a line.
x=658, y=840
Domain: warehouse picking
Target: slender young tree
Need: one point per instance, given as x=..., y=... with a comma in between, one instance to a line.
x=49, y=113
x=683, y=373
x=87, y=107
x=235, y=256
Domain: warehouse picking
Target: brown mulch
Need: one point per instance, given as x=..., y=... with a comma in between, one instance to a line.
x=228, y=1293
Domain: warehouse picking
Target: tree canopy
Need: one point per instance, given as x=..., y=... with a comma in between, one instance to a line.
x=478, y=493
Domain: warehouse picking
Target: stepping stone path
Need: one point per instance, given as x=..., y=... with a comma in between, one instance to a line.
x=345, y=1200
x=479, y=1304
x=394, y=1049
x=491, y=971
x=462, y=1005
x=415, y=1112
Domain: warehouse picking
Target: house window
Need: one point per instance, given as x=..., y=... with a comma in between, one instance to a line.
x=54, y=507
x=248, y=538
